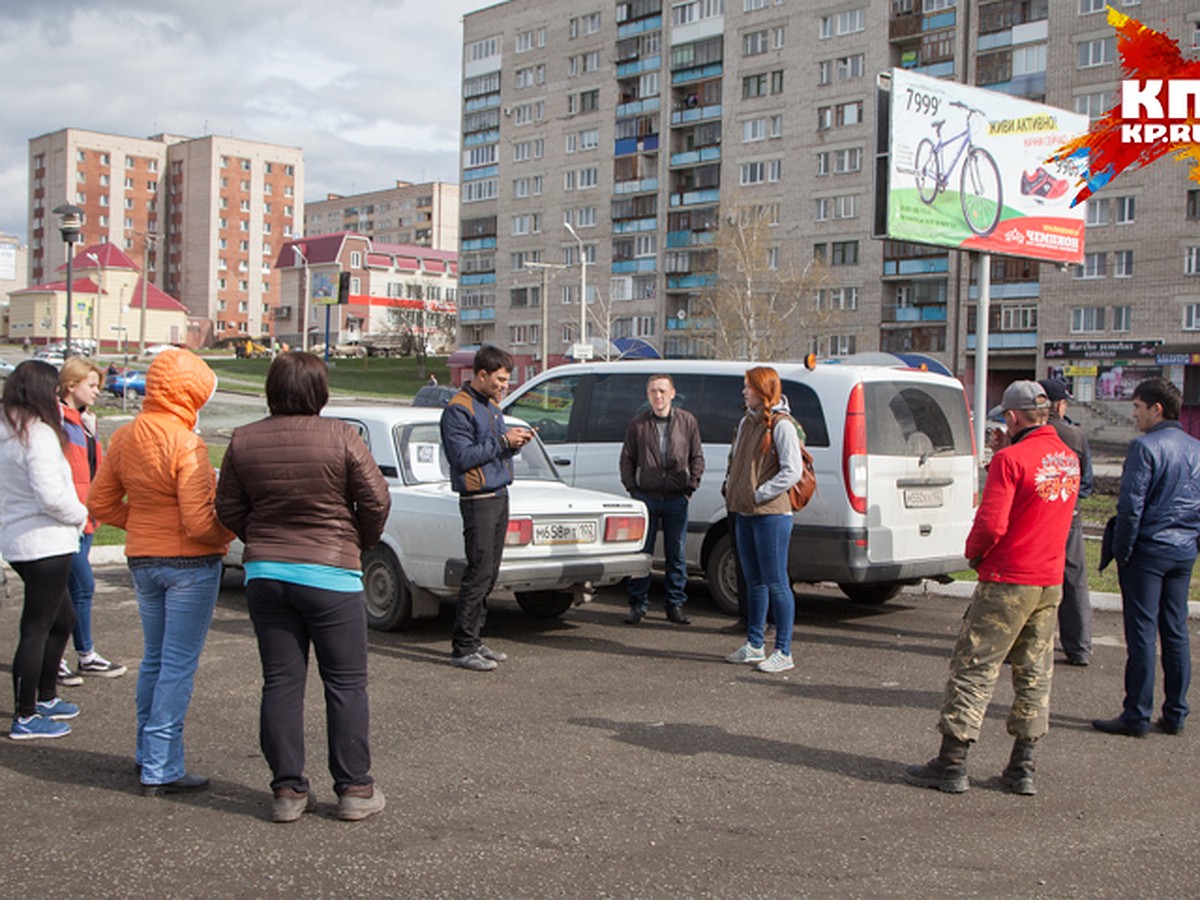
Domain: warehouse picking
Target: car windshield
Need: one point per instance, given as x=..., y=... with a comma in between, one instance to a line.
x=423, y=462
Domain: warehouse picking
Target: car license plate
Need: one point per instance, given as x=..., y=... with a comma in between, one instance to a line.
x=922, y=498
x=565, y=533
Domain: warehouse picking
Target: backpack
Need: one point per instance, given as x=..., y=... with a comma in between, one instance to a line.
x=800, y=493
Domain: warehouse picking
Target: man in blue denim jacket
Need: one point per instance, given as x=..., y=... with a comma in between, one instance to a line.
x=1154, y=543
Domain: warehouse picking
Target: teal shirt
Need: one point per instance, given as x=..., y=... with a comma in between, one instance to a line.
x=327, y=578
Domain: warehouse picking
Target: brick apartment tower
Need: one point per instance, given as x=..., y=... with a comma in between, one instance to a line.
x=221, y=206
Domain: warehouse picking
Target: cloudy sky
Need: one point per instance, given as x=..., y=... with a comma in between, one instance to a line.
x=369, y=89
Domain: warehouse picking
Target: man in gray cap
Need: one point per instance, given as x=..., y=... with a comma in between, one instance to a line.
x=1018, y=546
x=1075, y=611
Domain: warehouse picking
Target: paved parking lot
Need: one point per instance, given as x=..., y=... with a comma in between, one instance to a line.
x=609, y=760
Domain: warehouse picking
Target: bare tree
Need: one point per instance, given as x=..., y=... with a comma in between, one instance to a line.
x=763, y=301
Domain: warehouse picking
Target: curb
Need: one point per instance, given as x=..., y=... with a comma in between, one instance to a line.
x=114, y=555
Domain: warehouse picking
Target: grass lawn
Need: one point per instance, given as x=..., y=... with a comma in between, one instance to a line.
x=368, y=377
x=1096, y=510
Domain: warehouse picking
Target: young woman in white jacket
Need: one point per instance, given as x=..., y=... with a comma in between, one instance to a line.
x=41, y=520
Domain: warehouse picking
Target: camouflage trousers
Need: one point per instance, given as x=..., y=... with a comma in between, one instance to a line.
x=1004, y=621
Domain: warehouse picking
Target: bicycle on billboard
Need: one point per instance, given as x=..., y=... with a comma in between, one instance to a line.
x=979, y=188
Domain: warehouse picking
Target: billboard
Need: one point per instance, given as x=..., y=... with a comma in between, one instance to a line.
x=967, y=170
x=323, y=288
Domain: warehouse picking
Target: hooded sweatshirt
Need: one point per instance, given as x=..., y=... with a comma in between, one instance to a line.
x=40, y=515
x=156, y=481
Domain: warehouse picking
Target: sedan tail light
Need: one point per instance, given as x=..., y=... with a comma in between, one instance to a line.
x=520, y=532
x=624, y=528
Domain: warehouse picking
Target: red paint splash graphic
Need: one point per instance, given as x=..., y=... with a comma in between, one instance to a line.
x=1101, y=154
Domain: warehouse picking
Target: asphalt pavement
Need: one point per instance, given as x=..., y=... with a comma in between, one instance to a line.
x=610, y=760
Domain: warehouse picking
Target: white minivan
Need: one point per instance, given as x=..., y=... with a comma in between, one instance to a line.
x=892, y=446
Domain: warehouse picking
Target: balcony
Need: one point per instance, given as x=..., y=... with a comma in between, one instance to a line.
x=680, y=239
x=696, y=114
x=699, y=323
x=694, y=157
x=1007, y=340
x=697, y=73
x=634, y=226
x=634, y=266
x=635, y=107
x=486, y=314
x=918, y=314
x=904, y=26
x=643, y=186
x=636, y=67
x=691, y=198
x=653, y=23
x=690, y=282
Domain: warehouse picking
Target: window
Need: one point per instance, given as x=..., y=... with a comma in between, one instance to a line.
x=754, y=86
x=754, y=130
x=843, y=298
x=1192, y=209
x=843, y=253
x=1191, y=260
x=1094, y=105
x=589, y=139
x=849, y=113
x=1123, y=264
x=850, y=67
x=1096, y=212
x=591, y=23
x=756, y=43
x=483, y=49
x=1122, y=318
x=1029, y=60
x=483, y=189
x=1191, y=317
x=1094, y=265
x=525, y=41
x=1125, y=209
x=752, y=5
x=839, y=162
x=777, y=126
x=825, y=72
x=777, y=38
x=1086, y=319
x=1099, y=52
x=824, y=118
x=842, y=344
x=1086, y=7
x=841, y=207
x=585, y=217
x=588, y=178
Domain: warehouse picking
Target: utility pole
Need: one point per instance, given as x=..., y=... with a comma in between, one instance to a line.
x=545, y=268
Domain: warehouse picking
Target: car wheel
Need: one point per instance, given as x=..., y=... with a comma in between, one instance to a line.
x=385, y=590
x=544, y=604
x=871, y=594
x=721, y=572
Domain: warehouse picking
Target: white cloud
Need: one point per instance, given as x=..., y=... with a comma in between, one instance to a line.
x=369, y=89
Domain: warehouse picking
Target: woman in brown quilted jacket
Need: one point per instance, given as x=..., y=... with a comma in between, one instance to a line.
x=307, y=497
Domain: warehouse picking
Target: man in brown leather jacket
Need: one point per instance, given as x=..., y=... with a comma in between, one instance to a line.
x=661, y=465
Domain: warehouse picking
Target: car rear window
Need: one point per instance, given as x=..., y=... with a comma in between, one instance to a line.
x=912, y=419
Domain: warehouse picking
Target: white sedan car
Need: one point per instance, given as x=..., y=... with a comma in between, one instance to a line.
x=562, y=541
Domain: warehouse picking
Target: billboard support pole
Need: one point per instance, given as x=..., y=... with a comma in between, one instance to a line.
x=982, y=338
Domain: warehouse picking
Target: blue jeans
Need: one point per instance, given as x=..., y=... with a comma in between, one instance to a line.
x=671, y=515
x=176, y=605
x=762, y=544
x=83, y=587
x=1154, y=594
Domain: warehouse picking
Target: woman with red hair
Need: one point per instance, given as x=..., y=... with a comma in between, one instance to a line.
x=765, y=462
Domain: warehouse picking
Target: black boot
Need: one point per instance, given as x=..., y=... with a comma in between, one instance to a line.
x=946, y=773
x=1018, y=775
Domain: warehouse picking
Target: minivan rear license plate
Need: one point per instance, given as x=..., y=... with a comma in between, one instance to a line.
x=565, y=533
x=922, y=498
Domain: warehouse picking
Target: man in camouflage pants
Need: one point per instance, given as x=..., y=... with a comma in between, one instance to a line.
x=1017, y=544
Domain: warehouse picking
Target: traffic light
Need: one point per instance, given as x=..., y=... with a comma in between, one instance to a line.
x=343, y=287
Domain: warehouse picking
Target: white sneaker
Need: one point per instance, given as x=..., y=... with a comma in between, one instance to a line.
x=777, y=662
x=98, y=665
x=747, y=653
x=66, y=676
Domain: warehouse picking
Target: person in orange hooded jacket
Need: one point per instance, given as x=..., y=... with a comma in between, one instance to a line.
x=158, y=484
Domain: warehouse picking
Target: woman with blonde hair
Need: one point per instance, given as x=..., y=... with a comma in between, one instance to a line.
x=764, y=464
x=78, y=387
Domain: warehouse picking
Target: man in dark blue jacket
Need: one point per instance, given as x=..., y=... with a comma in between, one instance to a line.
x=1154, y=543
x=479, y=450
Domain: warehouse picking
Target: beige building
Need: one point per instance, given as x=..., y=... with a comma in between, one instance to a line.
x=422, y=214
x=648, y=126
x=206, y=216
x=113, y=307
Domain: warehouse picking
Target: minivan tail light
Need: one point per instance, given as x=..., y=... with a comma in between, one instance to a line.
x=520, y=532
x=624, y=528
x=854, y=450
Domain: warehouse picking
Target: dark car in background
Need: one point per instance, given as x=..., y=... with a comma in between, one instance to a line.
x=434, y=395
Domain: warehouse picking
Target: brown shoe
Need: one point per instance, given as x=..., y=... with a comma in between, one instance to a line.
x=288, y=805
x=352, y=808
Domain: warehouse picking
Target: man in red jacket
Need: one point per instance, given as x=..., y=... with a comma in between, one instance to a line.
x=1017, y=545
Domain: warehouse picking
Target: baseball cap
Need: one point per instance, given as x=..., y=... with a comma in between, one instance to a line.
x=1056, y=389
x=1024, y=395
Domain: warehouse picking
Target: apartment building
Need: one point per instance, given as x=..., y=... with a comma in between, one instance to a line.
x=422, y=214
x=205, y=216
x=398, y=293
x=626, y=141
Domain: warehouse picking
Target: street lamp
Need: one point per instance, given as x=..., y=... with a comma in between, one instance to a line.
x=71, y=225
x=583, y=264
x=96, y=335
x=303, y=295
x=545, y=267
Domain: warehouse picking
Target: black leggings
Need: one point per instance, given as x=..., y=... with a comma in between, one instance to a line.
x=46, y=622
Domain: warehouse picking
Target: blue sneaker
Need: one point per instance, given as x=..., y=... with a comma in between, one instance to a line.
x=57, y=709
x=37, y=727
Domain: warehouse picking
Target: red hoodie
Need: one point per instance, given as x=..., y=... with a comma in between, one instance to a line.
x=1020, y=530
